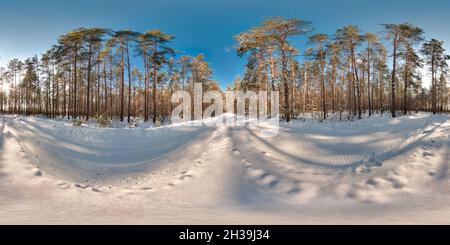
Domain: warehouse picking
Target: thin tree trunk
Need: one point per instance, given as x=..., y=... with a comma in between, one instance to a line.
x=322, y=67
x=368, y=78
x=129, y=85
x=405, y=92
x=154, y=91
x=393, y=84
x=122, y=82
x=145, y=85
x=358, y=90
x=88, y=86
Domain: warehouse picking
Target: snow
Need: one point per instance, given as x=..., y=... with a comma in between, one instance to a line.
x=370, y=171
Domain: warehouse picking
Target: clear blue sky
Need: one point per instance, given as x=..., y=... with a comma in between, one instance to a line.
x=201, y=26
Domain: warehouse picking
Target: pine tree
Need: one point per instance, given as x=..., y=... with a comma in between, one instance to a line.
x=435, y=57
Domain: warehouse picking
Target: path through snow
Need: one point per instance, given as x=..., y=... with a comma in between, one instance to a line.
x=376, y=170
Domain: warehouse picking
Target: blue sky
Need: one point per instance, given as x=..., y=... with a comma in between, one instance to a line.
x=201, y=26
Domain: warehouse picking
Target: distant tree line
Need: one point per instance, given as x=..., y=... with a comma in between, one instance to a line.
x=346, y=73
x=89, y=73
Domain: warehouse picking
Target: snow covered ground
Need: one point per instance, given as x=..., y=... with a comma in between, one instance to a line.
x=375, y=170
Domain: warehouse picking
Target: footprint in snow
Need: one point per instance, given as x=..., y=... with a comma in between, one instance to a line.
x=64, y=185
x=168, y=186
x=268, y=179
x=396, y=183
x=372, y=182
x=426, y=132
x=293, y=191
x=373, y=161
x=255, y=172
x=273, y=183
x=82, y=186
x=148, y=189
x=196, y=163
x=352, y=194
x=185, y=176
x=266, y=153
x=427, y=154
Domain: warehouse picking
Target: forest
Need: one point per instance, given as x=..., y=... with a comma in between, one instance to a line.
x=355, y=122
x=348, y=74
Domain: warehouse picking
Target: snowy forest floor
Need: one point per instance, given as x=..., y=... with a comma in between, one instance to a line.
x=375, y=170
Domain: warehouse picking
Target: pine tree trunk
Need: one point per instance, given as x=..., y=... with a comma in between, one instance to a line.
x=129, y=85
x=154, y=91
x=145, y=85
x=393, y=84
x=122, y=83
x=405, y=92
x=88, y=86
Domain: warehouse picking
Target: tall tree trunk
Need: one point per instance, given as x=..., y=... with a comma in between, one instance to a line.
x=154, y=91
x=75, y=104
x=129, y=85
x=122, y=82
x=105, y=88
x=155, y=78
x=381, y=87
x=97, y=100
x=88, y=86
x=405, y=92
x=57, y=99
x=358, y=89
x=333, y=87
x=393, y=84
x=145, y=85
x=69, y=104
x=368, y=78
x=286, y=83
x=322, y=67
x=433, y=83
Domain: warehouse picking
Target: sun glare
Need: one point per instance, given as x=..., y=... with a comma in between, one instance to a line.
x=4, y=88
